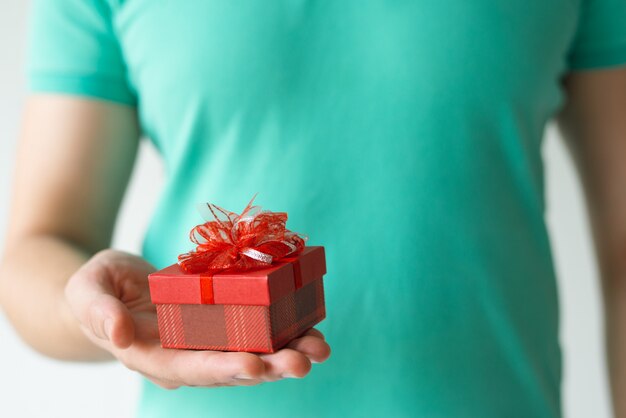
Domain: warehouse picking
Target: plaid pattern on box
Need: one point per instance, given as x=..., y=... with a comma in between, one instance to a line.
x=262, y=329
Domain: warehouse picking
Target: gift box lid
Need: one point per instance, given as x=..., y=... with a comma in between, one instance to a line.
x=172, y=285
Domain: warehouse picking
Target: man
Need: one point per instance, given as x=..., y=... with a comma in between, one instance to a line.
x=404, y=136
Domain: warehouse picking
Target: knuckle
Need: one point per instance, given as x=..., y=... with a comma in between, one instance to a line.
x=104, y=259
x=314, y=333
x=252, y=365
x=105, y=254
x=87, y=275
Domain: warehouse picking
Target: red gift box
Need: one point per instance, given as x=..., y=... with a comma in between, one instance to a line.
x=255, y=311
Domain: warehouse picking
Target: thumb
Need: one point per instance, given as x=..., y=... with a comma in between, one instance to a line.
x=109, y=319
x=92, y=297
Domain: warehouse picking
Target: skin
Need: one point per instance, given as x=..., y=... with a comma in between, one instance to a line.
x=594, y=126
x=71, y=298
x=66, y=293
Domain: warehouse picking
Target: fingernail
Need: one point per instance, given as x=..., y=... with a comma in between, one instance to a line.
x=108, y=327
x=242, y=376
x=288, y=376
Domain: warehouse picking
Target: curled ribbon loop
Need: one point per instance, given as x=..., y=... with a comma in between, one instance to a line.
x=254, y=239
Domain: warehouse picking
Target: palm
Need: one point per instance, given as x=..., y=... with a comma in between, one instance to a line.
x=136, y=297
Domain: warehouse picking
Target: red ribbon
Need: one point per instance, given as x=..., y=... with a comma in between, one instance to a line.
x=251, y=240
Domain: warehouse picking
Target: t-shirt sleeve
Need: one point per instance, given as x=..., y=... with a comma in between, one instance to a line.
x=601, y=35
x=74, y=50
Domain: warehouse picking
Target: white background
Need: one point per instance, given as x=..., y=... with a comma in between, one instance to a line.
x=33, y=386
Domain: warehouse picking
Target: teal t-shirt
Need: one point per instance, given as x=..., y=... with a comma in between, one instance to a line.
x=404, y=136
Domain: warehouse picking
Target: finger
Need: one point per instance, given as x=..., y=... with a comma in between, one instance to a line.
x=111, y=320
x=315, y=333
x=193, y=368
x=171, y=385
x=286, y=363
x=312, y=346
x=93, y=300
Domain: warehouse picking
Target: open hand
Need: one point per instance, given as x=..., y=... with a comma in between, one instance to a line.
x=110, y=298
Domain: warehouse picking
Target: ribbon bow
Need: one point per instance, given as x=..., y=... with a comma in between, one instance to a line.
x=254, y=239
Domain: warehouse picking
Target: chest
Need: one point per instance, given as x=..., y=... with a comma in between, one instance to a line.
x=224, y=56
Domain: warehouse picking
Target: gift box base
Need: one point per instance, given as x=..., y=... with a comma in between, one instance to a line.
x=259, y=329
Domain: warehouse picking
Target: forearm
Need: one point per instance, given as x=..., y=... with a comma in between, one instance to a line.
x=612, y=266
x=33, y=275
x=74, y=159
x=615, y=323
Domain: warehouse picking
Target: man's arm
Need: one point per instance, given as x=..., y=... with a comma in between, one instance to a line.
x=594, y=126
x=67, y=295
x=74, y=161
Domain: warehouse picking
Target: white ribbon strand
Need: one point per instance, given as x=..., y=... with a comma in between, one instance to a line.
x=257, y=255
